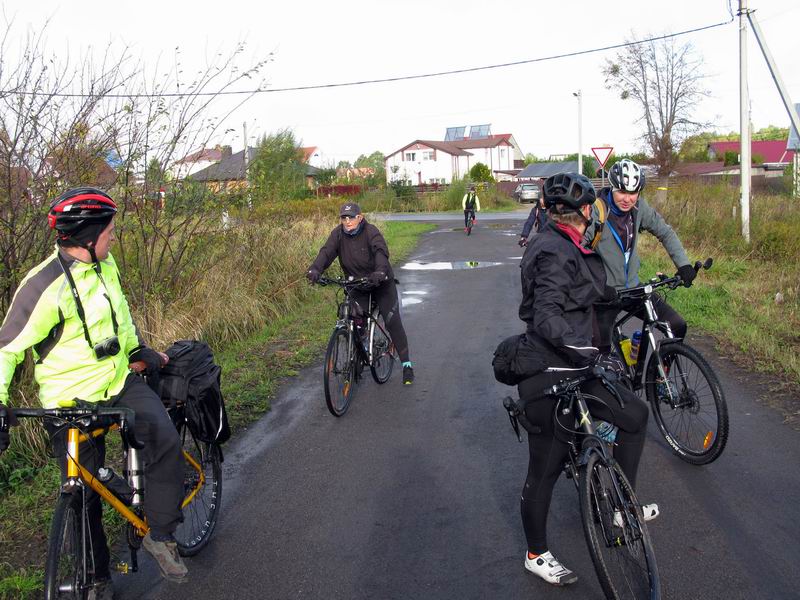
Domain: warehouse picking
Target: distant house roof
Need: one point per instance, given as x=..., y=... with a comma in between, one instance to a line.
x=209, y=154
x=308, y=153
x=488, y=142
x=546, y=169
x=447, y=147
x=773, y=151
x=227, y=169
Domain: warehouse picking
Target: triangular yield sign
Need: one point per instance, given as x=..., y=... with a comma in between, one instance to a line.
x=602, y=153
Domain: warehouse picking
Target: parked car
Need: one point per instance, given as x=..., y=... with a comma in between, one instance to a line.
x=527, y=192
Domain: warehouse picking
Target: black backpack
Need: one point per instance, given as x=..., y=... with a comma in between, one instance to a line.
x=191, y=381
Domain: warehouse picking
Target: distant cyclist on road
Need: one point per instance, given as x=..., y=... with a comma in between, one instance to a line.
x=470, y=203
x=72, y=312
x=628, y=215
x=561, y=281
x=534, y=223
x=363, y=252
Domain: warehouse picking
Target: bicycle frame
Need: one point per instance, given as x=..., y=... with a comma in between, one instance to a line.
x=346, y=318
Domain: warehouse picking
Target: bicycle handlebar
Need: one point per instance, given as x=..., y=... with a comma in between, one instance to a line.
x=660, y=281
x=125, y=416
x=345, y=282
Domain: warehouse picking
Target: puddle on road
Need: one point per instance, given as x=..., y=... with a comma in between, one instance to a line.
x=415, y=292
x=448, y=266
x=514, y=258
x=410, y=301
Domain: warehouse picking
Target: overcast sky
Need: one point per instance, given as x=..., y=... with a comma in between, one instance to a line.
x=318, y=42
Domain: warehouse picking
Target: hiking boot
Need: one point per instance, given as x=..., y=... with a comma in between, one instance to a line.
x=103, y=589
x=408, y=375
x=169, y=561
x=548, y=568
x=649, y=512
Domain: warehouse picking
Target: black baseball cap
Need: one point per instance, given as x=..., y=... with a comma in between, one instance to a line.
x=351, y=209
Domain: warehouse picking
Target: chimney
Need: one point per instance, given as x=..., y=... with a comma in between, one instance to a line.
x=226, y=152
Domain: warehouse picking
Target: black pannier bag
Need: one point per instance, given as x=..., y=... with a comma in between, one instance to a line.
x=191, y=380
x=515, y=359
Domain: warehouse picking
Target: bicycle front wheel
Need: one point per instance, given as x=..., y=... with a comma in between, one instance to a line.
x=689, y=405
x=202, y=489
x=339, y=372
x=382, y=358
x=616, y=533
x=66, y=570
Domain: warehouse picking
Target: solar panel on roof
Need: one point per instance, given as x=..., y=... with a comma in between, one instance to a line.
x=478, y=132
x=454, y=133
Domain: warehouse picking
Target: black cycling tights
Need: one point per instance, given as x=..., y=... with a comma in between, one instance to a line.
x=388, y=303
x=548, y=452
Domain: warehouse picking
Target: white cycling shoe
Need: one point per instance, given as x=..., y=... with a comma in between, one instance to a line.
x=649, y=511
x=548, y=568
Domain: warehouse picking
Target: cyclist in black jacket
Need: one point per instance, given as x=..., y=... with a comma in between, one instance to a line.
x=561, y=281
x=363, y=252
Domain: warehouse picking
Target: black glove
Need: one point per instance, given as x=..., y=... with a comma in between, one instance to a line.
x=313, y=275
x=6, y=420
x=609, y=295
x=376, y=278
x=611, y=363
x=148, y=356
x=523, y=241
x=687, y=273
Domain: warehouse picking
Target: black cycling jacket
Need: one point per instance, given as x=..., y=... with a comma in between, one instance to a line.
x=359, y=255
x=560, y=284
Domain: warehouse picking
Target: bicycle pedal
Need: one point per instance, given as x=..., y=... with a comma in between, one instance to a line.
x=122, y=567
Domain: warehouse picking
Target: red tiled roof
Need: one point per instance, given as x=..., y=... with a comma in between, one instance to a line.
x=489, y=142
x=209, y=154
x=308, y=153
x=448, y=147
x=773, y=151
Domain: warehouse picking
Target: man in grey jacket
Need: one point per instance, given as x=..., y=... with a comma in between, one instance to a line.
x=627, y=216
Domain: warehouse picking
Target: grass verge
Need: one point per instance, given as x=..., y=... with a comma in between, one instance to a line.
x=253, y=368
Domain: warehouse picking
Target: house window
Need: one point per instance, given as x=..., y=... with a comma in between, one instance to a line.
x=502, y=152
x=427, y=155
x=411, y=156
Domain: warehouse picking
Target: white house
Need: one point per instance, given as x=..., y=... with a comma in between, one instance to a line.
x=197, y=161
x=432, y=161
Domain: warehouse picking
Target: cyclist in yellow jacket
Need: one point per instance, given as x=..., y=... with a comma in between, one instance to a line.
x=71, y=311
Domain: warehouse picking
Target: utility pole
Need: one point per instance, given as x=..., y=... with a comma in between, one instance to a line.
x=744, y=122
x=246, y=157
x=579, y=96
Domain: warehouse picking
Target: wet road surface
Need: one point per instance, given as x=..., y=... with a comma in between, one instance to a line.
x=414, y=493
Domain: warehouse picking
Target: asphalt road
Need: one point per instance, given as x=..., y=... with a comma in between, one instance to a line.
x=414, y=493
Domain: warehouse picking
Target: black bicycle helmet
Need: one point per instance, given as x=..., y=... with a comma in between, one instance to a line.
x=626, y=176
x=568, y=191
x=80, y=214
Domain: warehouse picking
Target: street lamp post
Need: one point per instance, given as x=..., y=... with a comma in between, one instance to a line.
x=579, y=96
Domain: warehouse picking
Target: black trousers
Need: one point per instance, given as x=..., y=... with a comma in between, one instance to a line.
x=388, y=301
x=604, y=322
x=163, y=466
x=548, y=449
x=467, y=213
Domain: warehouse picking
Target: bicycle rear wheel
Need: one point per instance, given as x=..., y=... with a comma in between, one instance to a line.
x=340, y=373
x=66, y=574
x=689, y=406
x=202, y=488
x=383, y=360
x=469, y=226
x=616, y=533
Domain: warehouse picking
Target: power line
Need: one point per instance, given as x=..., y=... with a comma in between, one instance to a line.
x=388, y=79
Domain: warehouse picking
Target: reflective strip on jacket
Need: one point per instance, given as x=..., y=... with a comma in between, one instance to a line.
x=43, y=316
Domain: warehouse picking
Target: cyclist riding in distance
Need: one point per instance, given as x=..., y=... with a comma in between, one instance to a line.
x=71, y=311
x=534, y=223
x=362, y=252
x=470, y=203
x=561, y=281
x=628, y=215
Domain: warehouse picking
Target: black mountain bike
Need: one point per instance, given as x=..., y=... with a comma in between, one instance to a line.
x=612, y=518
x=359, y=339
x=685, y=395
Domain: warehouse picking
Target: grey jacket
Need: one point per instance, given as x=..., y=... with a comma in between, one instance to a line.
x=646, y=218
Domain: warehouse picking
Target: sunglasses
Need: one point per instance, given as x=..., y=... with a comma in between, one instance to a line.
x=348, y=218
